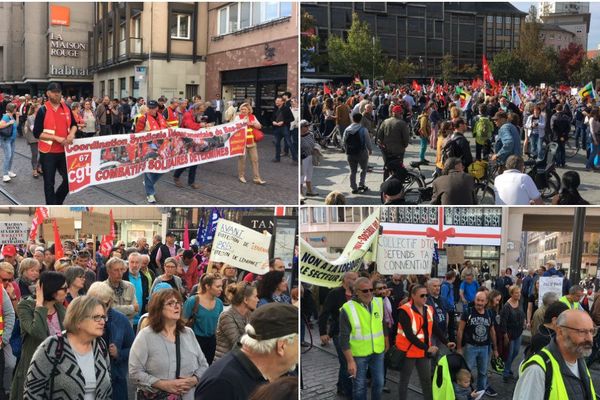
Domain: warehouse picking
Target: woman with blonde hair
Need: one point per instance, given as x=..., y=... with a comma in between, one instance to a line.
x=251, y=149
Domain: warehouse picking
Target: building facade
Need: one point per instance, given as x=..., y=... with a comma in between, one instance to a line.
x=149, y=49
x=570, y=7
x=423, y=32
x=578, y=24
x=252, y=53
x=556, y=37
x=45, y=42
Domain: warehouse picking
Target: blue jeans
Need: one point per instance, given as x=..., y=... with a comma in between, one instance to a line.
x=560, y=153
x=283, y=132
x=513, y=351
x=8, y=148
x=374, y=363
x=344, y=383
x=581, y=131
x=534, y=144
x=593, y=154
x=423, y=149
x=478, y=358
x=150, y=178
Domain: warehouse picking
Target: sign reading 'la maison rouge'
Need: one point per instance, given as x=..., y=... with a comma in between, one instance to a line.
x=64, y=48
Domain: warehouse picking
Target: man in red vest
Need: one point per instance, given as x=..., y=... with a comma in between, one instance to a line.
x=191, y=120
x=55, y=127
x=151, y=121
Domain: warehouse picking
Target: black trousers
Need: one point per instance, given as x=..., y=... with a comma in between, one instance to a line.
x=208, y=345
x=52, y=162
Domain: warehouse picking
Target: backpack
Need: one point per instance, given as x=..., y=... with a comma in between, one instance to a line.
x=450, y=149
x=562, y=124
x=354, y=143
x=483, y=130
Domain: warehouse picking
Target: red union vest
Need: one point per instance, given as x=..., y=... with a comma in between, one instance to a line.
x=416, y=321
x=172, y=120
x=149, y=123
x=51, y=146
x=249, y=130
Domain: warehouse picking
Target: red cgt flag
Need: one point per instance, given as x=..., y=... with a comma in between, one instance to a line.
x=41, y=213
x=107, y=240
x=487, y=72
x=58, y=248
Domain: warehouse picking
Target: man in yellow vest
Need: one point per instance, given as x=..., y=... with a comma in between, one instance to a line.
x=572, y=299
x=363, y=339
x=562, y=362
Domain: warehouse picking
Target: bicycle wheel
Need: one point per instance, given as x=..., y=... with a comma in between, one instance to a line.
x=484, y=194
x=413, y=181
x=552, y=187
x=571, y=148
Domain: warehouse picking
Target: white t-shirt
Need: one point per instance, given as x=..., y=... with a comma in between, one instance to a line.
x=515, y=188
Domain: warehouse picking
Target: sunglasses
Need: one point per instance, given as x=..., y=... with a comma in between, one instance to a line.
x=422, y=296
x=8, y=280
x=366, y=290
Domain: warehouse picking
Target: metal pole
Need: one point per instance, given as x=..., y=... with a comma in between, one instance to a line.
x=373, y=60
x=577, y=249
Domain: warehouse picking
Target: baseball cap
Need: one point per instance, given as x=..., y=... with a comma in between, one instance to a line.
x=89, y=241
x=54, y=87
x=391, y=187
x=171, y=233
x=274, y=320
x=500, y=114
x=9, y=250
x=396, y=109
x=152, y=104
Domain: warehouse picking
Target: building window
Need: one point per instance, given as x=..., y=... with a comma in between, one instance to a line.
x=122, y=88
x=319, y=215
x=111, y=88
x=181, y=26
x=490, y=18
x=238, y=16
x=103, y=88
x=499, y=19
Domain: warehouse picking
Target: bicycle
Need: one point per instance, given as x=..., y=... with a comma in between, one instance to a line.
x=543, y=172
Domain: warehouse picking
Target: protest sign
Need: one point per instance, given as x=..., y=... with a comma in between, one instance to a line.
x=241, y=247
x=13, y=232
x=95, y=224
x=102, y=159
x=442, y=264
x=552, y=284
x=66, y=227
x=316, y=269
x=404, y=255
x=456, y=254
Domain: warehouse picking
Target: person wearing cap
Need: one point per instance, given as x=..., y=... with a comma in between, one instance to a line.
x=364, y=339
x=393, y=138
x=508, y=140
x=392, y=191
x=307, y=145
x=166, y=250
x=455, y=186
x=9, y=253
x=151, y=121
x=513, y=187
x=54, y=127
x=269, y=349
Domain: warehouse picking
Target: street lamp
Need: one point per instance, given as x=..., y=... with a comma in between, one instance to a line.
x=373, y=60
x=421, y=64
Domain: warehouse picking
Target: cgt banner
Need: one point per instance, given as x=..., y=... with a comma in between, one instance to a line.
x=317, y=270
x=102, y=159
x=241, y=247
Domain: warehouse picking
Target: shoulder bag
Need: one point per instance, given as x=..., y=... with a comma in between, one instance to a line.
x=6, y=132
x=190, y=322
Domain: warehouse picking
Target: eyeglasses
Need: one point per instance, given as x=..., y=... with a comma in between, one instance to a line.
x=98, y=318
x=382, y=288
x=583, y=332
x=365, y=290
x=65, y=288
x=173, y=303
x=8, y=280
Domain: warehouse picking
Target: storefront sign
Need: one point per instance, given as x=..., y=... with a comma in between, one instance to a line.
x=62, y=48
x=13, y=232
x=404, y=255
x=241, y=247
x=113, y=158
x=551, y=284
x=66, y=70
x=60, y=15
x=140, y=73
x=259, y=223
x=317, y=270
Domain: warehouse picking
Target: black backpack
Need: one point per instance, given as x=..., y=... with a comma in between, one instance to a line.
x=451, y=149
x=354, y=143
x=562, y=124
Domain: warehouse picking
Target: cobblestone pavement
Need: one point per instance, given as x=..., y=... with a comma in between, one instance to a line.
x=334, y=174
x=320, y=365
x=218, y=184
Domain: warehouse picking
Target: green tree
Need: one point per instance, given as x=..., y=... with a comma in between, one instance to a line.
x=507, y=66
x=589, y=71
x=359, y=54
x=397, y=71
x=309, y=42
x=570, y=60
x=448, y=68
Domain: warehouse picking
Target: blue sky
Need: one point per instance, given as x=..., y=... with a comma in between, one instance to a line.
x=593, y=36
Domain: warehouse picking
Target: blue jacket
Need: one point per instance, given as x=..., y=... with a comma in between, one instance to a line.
x=118, y=331
x=508, y=142
x=447, y=294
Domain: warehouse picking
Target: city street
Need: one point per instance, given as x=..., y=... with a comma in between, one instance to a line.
x=219, y=184
x=320, y=365
x=334, y=174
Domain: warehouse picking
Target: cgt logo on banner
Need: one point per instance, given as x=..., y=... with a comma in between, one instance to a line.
x=317, y=270
x=404, y=255
x=97, y=160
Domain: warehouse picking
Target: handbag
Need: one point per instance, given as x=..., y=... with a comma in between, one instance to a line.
x=160, y=394
x=394, y=358
x=258, y=135
x=6, y=132
x=190, y=322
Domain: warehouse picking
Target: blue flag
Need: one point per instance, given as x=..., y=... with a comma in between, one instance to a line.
x=209, y=235
x=200, y=234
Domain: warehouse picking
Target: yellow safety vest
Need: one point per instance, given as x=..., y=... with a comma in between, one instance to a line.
x=442, y=388
x=574, y=306
x=557, y=388
x=366, y=336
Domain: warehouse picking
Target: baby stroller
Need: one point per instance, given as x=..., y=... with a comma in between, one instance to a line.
x=445, y=374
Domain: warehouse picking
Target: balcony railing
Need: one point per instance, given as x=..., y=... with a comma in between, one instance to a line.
x=122, y=48
x=135, y=45
x=135, y=53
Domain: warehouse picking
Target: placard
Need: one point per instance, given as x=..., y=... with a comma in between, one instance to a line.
x=404, y=255
x=241, y=247
x=13, y=232
x=284, y=241
x=456, y=254
x=66, y=229
x=442, y=264
x=550, y=284
x=95, y=223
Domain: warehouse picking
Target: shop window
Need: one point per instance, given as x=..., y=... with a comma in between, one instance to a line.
x=181, y=26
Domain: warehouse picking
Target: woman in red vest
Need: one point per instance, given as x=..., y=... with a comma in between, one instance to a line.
x=415, y=327
x=251, y=149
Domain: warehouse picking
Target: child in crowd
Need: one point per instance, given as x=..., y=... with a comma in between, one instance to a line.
x=462, y=386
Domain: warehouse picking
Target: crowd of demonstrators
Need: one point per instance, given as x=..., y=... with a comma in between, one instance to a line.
x=52, y=120
x=126, y=324
x=498, y=125
x=410, y=322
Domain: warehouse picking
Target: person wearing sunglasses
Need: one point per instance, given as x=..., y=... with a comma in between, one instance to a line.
x=562, y=361
x=40, y=316
x=363, y=339
x=50, y=374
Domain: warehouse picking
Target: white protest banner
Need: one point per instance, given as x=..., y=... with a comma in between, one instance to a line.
x=13, y=232
x=102, y=159
x=552, y=284
x=574, y=91
x=404, y=255
x=241, y=247
x=317, y=270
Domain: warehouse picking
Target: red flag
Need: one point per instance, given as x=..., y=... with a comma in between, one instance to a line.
x=487, y=72
x=279, y=211
x=58, y=249
x=186, y=236
x=107, y=240
x=326, y=89
x=41, y=213
x=416, y=86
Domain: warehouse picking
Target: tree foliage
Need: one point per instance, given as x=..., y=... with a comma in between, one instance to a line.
x=359, y=54
x=570, y=60
x=397, y=71
x=589, y=71
x=448, y=68
x=507, y=66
